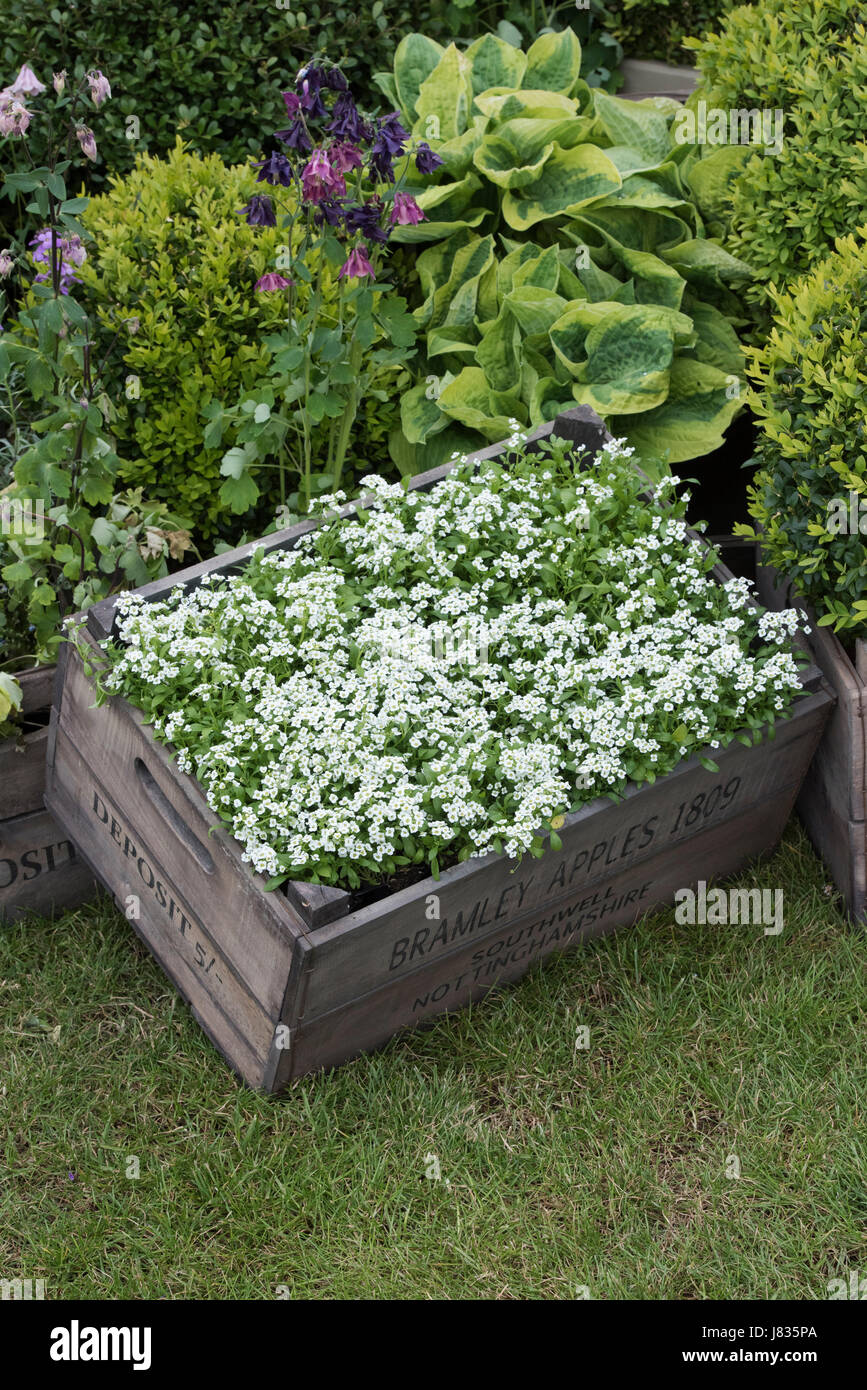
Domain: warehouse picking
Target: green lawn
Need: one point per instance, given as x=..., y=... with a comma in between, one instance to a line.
x=604, y=1167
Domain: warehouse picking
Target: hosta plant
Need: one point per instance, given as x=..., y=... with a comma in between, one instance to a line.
x=564, y=256
x=445, y=673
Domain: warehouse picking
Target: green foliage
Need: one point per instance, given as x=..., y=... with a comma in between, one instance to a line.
x=174, y=272
x=807, y=59
x=210, y=74
x=568, y=261
x=812, y=451
x=68, y=538
x=10, y=704
x=657, y=28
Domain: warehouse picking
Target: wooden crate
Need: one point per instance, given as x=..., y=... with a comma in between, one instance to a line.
x=833, y=800
x=290, y=982
x=39, y=869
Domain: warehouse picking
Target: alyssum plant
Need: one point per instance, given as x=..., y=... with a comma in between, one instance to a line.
x=340, y=168
x=343, y=741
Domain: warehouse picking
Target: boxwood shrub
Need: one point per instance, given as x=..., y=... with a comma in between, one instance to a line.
x=811, y=484
x=807, y=58
x=172, y=255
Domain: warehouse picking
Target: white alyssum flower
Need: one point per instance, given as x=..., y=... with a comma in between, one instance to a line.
x=443, y=677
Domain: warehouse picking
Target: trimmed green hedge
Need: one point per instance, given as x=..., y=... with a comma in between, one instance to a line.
x=656, y=28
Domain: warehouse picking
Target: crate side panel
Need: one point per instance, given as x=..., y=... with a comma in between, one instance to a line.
x=103, y=751
x=369, y=947
x=22, y=774
x=450, y=983
x=186, y=941
x=39, y=868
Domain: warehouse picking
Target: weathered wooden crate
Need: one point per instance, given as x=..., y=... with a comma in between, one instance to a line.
x=833, y=800
x=39, y=869
x=290, y=982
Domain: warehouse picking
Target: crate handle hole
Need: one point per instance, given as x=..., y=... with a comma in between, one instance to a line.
x=158, y=798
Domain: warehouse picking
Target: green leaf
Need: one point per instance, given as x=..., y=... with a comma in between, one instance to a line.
x=636, y=125
x=495, y=63
x=444, y=98
x=415, y=58
x=570, y=180
x=239, y=493
x=690, y=422
x=420, y=415
x=534, y=308
x=554, y=62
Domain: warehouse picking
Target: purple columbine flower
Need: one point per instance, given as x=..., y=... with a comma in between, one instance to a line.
x=275, y=170
x=357, y=264
x=367, y=219
x=391, y=135
x=259, y=212
x=272, y=281
x=405, y=211
x=387, y=146
x=84, y=136
x=319, y=180
x=381, y=166
x=330, y=211
x=426, y=160
x=295, y=136
x=335, y=80
x=70, y=253
x=345, y=157
x=312, y=102
x=293, y=103
x=346, y=122
x=100, y=90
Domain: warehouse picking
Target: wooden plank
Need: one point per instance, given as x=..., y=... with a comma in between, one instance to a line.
x=39, y=869
x=454, y=981
x=833, y=799
x=136, y=808
x=362, y=950
x=188, y=940
x=22, y=774
x=36, y=688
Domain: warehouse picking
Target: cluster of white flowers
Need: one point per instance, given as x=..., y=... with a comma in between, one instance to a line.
x=340, y=737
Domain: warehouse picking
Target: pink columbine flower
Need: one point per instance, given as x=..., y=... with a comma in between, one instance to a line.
x=405, y=211
x=345, y=157
x=273, y=281
x=14, y=116
x=26, y=84
x=357, y=264
x=6, y=264
x=59, y=82
x=84, y=135
x=100, y=90
x=319, y=180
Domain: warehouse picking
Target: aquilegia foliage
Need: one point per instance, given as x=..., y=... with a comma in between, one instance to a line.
x=342, y=733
